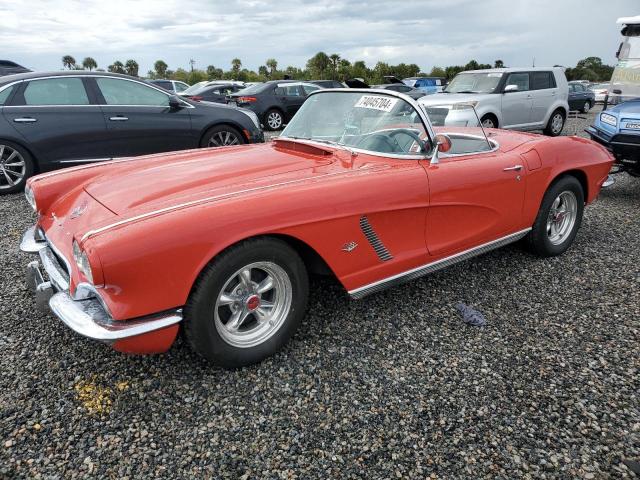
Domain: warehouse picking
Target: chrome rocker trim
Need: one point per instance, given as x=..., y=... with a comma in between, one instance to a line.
x=434, y=266
x=85, y=314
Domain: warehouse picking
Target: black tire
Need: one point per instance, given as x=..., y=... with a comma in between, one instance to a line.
x=489, y=118
x=552, y=131
x=538, y=239
x=12, y=154
x=586, y=107
x=271, y=121
x=222, y=136
x=200, y=321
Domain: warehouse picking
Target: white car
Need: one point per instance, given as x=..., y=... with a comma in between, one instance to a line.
x=511, y=98
x=600, y=90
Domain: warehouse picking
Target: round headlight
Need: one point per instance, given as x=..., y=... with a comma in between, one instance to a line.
x=82, y=261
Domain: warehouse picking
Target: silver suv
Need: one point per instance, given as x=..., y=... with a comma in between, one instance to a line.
x=513, y=98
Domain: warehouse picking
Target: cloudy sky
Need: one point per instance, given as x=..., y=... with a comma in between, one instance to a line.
x=38, y=33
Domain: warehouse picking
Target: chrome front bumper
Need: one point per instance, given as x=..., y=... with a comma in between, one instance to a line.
x=87, y=316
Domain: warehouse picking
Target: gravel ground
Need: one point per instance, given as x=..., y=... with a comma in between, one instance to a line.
x=394, y=386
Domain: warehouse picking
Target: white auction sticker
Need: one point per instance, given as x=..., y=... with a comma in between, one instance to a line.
x=385, y=104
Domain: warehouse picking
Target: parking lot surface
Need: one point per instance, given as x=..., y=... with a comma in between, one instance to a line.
x=392, y=386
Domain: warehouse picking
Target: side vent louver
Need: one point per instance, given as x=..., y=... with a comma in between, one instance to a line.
x=374, y=241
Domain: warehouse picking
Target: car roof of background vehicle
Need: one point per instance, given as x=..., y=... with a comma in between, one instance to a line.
x=629, y=20
x=514, y=70
x=64, y=73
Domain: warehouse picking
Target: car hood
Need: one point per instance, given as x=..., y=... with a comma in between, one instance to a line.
x=628, y=108
x=157, y=181
x=446, y=98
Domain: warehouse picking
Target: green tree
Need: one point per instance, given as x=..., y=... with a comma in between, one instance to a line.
x=68, y=62
x=272, y=65
x=263, y=71
x=498, y=64
x=236, y=65
x=131, y=67
x=196, y=76
x=437, y=72
x=160, y=68
x=335, y=61
x=89, y=63
x=214, y=73
x=116, y=67
x=318, y=65
x=180, y=74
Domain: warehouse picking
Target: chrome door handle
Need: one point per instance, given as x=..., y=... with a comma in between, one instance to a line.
x=25, y=120
x=515, y=168
x=118, y=119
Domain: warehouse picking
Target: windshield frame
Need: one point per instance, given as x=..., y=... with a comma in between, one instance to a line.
x=416, y=106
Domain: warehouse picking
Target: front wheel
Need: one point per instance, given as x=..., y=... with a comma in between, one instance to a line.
x=16, y=166
x=555, y=124
x=489, y=121
x=586, y=107
x=222, y=136
x=558, y=219
x=247, y=303
x=273, y=120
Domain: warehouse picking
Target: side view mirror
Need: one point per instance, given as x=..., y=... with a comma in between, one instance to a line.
x=174, y=103
x=510, y=88
x=443, y=145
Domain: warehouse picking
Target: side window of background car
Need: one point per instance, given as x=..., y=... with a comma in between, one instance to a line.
x=125, y=92
x=309, y=88
x=288, y=90
x=541, y=80
x=519, y=79
x=4, y=95
x=56, y=91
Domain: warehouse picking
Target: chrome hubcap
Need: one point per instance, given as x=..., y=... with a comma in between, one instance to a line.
x=12, y=167
x=488, y=123
x=253, y=304
x=274, y=120
x=557, y=123
x=562, y=217
x=587, y=106
x=223, y=139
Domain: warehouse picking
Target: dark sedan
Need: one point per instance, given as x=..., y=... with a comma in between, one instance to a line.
x=53, y=120
x=7, y=67
x=274, y=102
x=216, y=93
x=580, y=97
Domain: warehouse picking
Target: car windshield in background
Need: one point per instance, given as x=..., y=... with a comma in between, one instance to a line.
x=474, y=83
x=259, y=88
x=373, y=122
x=194, y=88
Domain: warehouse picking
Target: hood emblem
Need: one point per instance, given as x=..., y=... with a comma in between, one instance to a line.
x=349, y=247
x=79, y=210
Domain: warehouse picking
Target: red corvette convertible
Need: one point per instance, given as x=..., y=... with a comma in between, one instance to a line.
x=359, y=185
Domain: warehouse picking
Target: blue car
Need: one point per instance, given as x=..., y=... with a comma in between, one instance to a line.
x=428, y=85
x=618, y=129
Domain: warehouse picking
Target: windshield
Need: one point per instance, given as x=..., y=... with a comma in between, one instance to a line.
x=474, y=83
x=367, y=121
x=257, y=88
x=194, y=88
x=625, y=81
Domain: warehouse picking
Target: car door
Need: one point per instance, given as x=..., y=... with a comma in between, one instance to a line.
x=516, y=105
x=544, y=92
x=475, y=197
x=573, y=97
x=140, y=120
x=59, y=120
x=291, y=97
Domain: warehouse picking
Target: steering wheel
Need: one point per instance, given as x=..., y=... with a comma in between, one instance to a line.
x=409, y=133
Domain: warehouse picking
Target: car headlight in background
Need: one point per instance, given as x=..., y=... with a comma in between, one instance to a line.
x=608, y=119
x=251, y=114
x=82, y=261
x=28, y=194
x=464, y=105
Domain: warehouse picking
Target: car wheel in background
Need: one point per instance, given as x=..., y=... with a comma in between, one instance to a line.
x=16, y=166
x=273, y=119
x=558, y=219
x=556, y=124
x=247, y=303
x=489, y=121
x=222, y=136
x=586, y=107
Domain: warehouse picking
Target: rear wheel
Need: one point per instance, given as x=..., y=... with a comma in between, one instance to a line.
x=558, y=219
x=555, y=124
x=247, y=303
x=16, y=166
x=586, y=107
x=489, y=121
x=273, y=119
x=222, y=136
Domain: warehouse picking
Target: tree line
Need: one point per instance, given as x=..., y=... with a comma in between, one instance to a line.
x=322, y=67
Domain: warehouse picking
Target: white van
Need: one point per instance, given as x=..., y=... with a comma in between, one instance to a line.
x=512, y=98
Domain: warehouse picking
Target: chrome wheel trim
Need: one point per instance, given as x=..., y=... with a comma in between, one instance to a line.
x=587, y=107
x=557, y=122
x=274, y=119
x=488, y=123
x=223, y=138
x=253, y=304
x=562, y=217
x=13, y=167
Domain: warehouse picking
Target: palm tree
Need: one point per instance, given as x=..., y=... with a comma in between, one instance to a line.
x=116, y=67
x=161, y=68
x=89, y=63
x=335, y=58
x=131, y=67
x=68, y=62
x=236, y=64
x=272, y=64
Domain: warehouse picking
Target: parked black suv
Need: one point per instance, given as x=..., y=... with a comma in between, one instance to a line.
x=274, y=102
x=52, y=120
